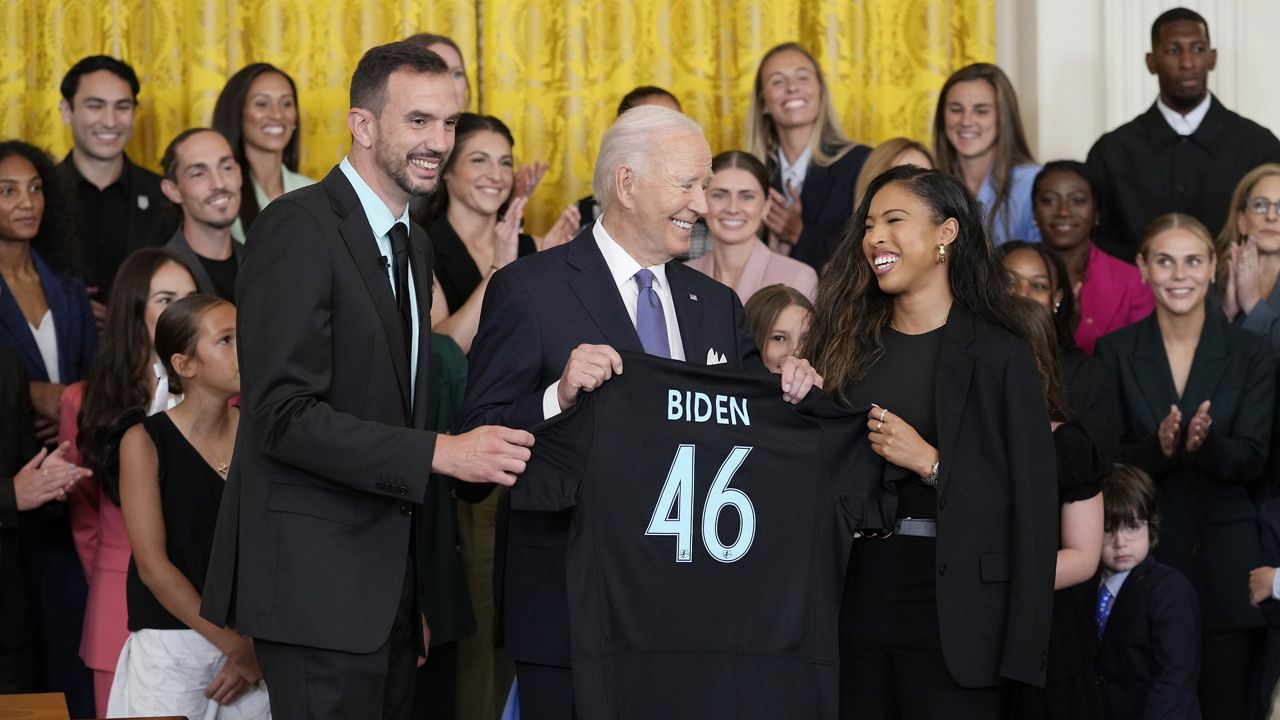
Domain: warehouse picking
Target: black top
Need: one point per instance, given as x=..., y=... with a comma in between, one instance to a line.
x=111, y=223
x=1072, y=642
x=1092, y=399
x=707, y=553
x=1144, y=169
x=455, y=270
x=223, y=275
x=190, y=492
x=903, y=380
x=826, y=203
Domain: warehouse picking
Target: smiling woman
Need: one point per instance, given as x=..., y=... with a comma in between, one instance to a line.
x=257, y=112
x=1196, y=398
x=473, y=222
x=978, y=137
x=912, y=320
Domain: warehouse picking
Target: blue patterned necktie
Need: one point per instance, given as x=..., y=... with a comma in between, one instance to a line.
x=1105, y=598
x=651, y=322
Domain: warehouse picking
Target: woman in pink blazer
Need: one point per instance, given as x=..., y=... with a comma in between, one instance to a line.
x=1110, y=293
x=736, y=203
x=123, y=379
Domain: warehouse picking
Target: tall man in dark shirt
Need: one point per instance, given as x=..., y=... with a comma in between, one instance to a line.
x=1186, y=153
x=202, y=177
x=120, y=207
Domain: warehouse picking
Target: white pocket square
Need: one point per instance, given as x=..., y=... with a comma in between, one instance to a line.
x=715, y=358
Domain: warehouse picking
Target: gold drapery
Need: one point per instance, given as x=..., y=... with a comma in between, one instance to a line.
x=554, y=70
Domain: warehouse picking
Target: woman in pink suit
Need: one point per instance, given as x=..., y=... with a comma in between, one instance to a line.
x=1109, y=292
x=124, y=379
x=736, y=201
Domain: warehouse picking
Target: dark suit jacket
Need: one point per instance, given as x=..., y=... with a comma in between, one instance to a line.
x=1209, y=524
x=1144, y=169
x=17, y=446
x=151, y=221
x=536, y=311
x=312, y=543
x=178, y=246
x=1091, y=399
x=1149, y=656
x=826, y=204
x=997, y=506
x=72, y=319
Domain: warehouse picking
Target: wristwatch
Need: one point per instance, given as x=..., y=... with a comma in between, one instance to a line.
x=932, y=478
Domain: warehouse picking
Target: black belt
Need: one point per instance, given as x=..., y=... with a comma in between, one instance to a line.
x=908, y=527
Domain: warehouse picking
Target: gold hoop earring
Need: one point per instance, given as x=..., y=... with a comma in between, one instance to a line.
x=942, y=253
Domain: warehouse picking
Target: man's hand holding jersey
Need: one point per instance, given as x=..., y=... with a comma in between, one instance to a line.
x=589, y=366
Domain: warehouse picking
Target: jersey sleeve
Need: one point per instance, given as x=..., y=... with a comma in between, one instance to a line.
x=558, y=462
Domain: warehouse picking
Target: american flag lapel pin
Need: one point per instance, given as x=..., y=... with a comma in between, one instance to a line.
x=693, y=297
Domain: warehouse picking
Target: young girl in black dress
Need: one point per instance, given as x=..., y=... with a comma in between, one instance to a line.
x=173, y=466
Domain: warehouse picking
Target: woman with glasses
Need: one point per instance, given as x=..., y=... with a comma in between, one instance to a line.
x=1250, y=247
x=1196, y=397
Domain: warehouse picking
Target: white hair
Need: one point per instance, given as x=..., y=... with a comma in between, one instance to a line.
x=632, y=141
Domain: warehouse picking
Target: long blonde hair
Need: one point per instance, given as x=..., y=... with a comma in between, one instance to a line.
x=827, y=143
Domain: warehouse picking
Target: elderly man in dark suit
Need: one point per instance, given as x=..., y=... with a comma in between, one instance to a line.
x=550, y=330
x=312, y=554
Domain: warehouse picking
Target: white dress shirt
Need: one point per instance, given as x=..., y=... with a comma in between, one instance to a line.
x=1185, y=124
x=1114, y=581
x=623, y=268
x=380, y=222
x=793, y=174
x=46, y=337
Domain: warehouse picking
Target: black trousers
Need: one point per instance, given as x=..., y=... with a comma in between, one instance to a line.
x=307, y=683
x=1231, y=674
x=546, y=691
x=891, y=663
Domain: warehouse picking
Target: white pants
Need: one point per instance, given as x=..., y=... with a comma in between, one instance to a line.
x=165, y=672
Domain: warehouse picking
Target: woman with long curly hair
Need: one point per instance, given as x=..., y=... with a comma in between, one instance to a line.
x=913, y=319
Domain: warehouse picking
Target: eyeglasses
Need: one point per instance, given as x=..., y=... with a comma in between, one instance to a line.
x=1129, y=531
x=1262, y=206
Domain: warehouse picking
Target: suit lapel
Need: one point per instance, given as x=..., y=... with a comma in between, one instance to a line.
x=955, y=369
x=358, y=236
x=14, y=324
x=688, y=309
x=57, y=299
x=1207, y=366
x=594, y=286
x=1150, y=369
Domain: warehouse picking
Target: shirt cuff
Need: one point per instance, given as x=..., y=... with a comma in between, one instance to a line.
x=1275, y=586
x=550, y=403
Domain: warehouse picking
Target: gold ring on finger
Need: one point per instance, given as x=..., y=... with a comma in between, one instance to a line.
x=883, y=412
x=878, y=426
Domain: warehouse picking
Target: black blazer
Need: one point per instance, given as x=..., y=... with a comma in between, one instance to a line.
x=826, y=204
x=536, y=311
x=17, y=446
x=1209, y=523
x=1149, y=655
x=312, y=543
x=152, y=218
x=997, y=506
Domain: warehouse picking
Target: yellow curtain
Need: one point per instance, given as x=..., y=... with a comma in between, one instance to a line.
x=554, y=70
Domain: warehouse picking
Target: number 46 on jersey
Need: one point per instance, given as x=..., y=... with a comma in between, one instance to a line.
x=673, y=513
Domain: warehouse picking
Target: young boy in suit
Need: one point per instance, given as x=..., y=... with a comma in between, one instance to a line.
x=1148, y=619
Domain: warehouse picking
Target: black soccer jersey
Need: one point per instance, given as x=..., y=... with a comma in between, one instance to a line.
x=711, y=532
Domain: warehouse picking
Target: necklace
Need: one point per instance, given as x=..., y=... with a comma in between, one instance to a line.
x=223, y=469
